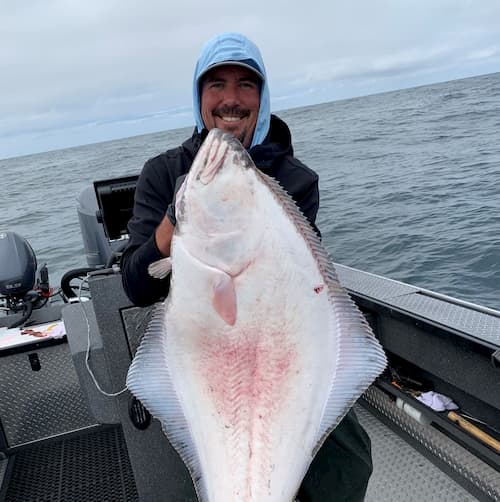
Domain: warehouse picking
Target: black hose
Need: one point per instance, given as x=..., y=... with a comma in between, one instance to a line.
x=25, y=316
x=66, y=288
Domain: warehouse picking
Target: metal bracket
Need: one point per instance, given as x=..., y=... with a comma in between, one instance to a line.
x=495, y=359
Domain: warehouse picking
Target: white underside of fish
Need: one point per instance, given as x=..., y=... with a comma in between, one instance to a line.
x=249, y=372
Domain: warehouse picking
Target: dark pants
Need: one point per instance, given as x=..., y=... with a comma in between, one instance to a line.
x=342, y=467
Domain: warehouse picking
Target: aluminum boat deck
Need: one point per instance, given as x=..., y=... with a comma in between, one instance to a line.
x=94, y=467
x=61, y=440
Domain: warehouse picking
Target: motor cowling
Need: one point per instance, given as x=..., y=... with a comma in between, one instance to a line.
x=18, y=265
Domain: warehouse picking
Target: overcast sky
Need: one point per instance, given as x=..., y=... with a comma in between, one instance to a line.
x=74, y=72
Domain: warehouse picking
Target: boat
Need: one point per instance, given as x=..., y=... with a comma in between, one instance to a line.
x=70, y=431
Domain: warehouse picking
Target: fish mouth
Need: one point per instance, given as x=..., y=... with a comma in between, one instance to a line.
x=216, y=155
x=215, y=150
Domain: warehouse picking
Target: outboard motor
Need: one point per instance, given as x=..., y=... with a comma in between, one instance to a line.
x=17, y=266
x=18, y=276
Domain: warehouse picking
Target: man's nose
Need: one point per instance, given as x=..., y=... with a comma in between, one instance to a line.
x=231, y=94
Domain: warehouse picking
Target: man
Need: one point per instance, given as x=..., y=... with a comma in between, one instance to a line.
x=230, y=92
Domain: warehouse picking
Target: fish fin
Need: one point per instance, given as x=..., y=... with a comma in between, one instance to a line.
x=359, y=360
x=149, y=380
x=359, y=356
x=161, y=268
x=224, y=298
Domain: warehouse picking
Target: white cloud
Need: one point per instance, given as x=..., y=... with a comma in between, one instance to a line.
x=482, y=54
x=65, y=63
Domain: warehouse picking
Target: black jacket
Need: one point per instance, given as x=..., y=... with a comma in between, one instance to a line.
x=155, y=190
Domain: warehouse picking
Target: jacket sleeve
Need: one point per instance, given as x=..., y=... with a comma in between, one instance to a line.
x=153, y=194
x=309, y=204
x=307, y=198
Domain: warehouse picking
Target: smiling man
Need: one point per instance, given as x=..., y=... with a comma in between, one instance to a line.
x=230, y=92
x=230, y=100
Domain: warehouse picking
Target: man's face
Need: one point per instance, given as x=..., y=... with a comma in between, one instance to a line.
x=230, y=100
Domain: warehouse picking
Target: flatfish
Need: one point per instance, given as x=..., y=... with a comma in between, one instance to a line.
x=257, y=352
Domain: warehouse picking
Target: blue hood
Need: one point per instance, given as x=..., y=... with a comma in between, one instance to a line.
x=233, y=47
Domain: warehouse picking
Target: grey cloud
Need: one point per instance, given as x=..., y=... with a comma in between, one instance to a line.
x=66, y=63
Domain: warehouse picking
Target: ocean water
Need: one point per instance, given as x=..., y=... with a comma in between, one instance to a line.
x=409, y=183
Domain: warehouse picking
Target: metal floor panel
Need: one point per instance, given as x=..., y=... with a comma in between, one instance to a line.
x=401, y=473
x=449, y=454
x=95, y=468
x=87, y=468
x=40, y=404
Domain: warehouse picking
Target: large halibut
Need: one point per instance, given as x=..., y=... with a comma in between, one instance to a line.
x=258, y=352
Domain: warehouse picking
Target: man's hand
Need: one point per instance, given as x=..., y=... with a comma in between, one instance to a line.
x=163, y=236
x=171, y=208
x=165, y=230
